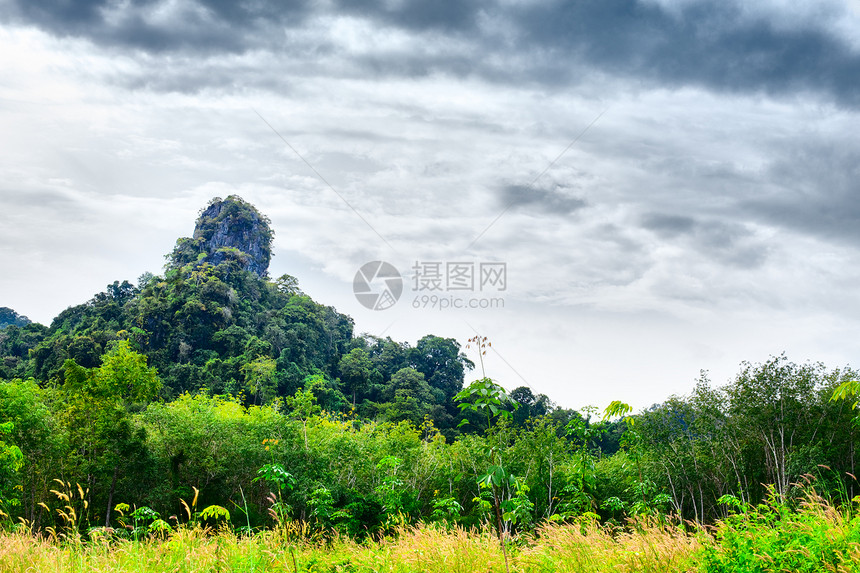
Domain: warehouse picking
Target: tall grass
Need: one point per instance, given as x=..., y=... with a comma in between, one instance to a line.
x=644, y=546
x=774, y=536
x=422, y=548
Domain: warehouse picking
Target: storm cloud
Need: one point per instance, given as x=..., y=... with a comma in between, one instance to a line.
x=725, y=46
x=672, y=184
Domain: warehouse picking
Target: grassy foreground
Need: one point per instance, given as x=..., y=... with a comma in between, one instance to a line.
x=554, y=548
x=769, y=537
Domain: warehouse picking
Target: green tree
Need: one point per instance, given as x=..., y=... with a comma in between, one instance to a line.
x=259, y=378
x=36, y=431
x=441, y=363
x=774, y=407
x=529, y=406
x=289, y=285
x=303, y=404
x=97, y=417
x=356, y=371
x=11, y=460
x=407, y=396
x=9, y=317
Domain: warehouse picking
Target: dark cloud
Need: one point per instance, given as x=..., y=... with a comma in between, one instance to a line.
x=557, y=201
x=668, y=225
x=419, y=15
x=730, y=244
x=727, y=243
x=712, y=44
x=716, y=45
x=815, y=190
x=204, y=25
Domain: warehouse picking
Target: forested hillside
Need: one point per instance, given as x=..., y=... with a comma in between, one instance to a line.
x=215, y=383
x=215, y=322
x=9, y=317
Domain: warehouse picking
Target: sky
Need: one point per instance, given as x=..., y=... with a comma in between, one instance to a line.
x=672, y=185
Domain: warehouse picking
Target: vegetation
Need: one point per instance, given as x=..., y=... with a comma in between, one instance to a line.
x=771, y=537
x=9, y=317
x=212, y=418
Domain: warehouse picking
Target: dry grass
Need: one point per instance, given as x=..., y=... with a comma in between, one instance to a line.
x=587, y=547
x=572, y=548
x=431, y=549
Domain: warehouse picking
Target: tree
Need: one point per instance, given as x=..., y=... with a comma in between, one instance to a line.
x=442, y=364
x=407, y=396
x=326, y=392
x=96, y=414
x=35, y=430
x=9, y=317
x=259, y=378
x=773, y=405
x=356, y=372
x=387, y=355
x=11, y=460
x=289, y=285
x=529, y=406
x=303, y=404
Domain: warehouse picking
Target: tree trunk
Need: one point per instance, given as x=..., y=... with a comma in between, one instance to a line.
x=110, y=495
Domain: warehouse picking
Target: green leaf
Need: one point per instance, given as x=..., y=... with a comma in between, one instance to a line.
x=215, y=512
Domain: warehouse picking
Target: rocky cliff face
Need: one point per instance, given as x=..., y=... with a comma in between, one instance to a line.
x=228, y=229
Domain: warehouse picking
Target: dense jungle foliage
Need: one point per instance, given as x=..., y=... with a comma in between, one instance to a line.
x=215, y=394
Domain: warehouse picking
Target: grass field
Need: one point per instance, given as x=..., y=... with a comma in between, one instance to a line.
x=770, y=537
x=553, y=548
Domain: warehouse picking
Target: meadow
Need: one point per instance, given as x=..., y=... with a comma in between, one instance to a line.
x=814, y=535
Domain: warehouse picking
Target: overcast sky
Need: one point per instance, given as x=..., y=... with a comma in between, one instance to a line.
x=673, y=184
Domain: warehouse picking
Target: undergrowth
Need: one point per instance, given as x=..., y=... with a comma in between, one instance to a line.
x=808, y=534
x=801, y=535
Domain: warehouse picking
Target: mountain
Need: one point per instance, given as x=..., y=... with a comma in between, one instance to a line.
x=228, y=229
x=214, y=321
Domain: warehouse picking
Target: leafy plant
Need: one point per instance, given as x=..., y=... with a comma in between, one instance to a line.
x=487, y=397
x=276, y=475
x=773, y=536
x=390, y=490
x=446, y=509
x=496, y=481
x=281, y=479
x=324, y=513
x=577, y=497
x=11, y=460
x=848, y=390
x=215, y=513
x=484, y=395
x=145, y=521
x=615, y=505
x=321, y=506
